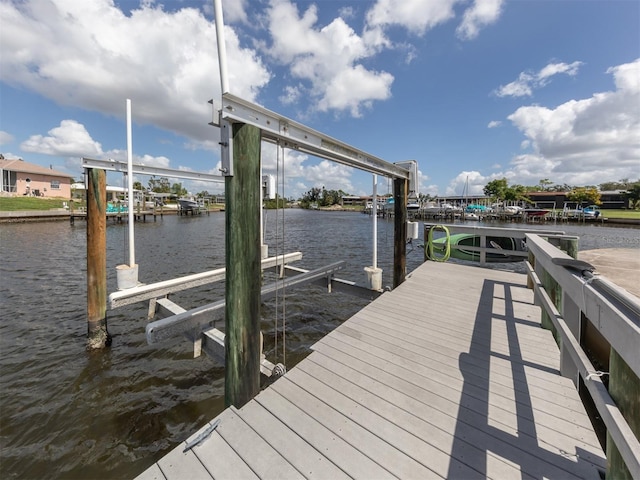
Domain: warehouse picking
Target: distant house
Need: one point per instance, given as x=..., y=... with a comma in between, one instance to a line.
x=610, y=199
x=350, y=200
x=18, y=177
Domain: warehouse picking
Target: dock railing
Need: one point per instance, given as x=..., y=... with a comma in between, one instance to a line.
x=579, y=305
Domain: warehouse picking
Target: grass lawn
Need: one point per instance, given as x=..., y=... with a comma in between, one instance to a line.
x=635, y=214
x=12, y=204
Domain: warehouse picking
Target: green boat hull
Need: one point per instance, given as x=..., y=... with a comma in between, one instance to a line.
x=462, y=240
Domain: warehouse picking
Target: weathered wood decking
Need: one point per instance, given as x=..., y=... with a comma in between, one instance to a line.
x=449, y=375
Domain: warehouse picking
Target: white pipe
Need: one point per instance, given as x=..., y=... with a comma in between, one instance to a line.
x=375, y=220
x=222, y=49
x=132, y=247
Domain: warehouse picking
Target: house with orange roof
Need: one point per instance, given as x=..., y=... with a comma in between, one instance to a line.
x=18, y=177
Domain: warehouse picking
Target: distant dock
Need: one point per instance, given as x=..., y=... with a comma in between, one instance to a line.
x=447, y=376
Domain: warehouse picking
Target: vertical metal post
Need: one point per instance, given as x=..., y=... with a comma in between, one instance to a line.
x=97, y=335
x=242, y=284
x=400, y=231
x=374, y=207
x=222, y=49
x=132, y=247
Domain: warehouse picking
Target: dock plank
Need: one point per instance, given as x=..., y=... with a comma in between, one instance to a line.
x=447, y=376
x=152, y=473
x=439, y=412
x=306, y=459
x=222, y=462
x=178, y=465
x=347, y=457
x=502, y=373
x=263, y=459
x=425, y=374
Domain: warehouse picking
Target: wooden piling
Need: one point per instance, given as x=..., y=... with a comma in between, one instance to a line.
x=624, y=388
x=242, y=284
x=97, y=335
x=400, y=231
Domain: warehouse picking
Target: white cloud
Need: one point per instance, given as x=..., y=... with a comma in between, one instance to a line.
x=355, y=88
x=494, y=124
x=481, y=14
x=584, y=141
x=166, y=62
x=347, y=12
x=292, y=94
x=469, y=183
x=234, y=11
x=5, y=137
x=417, y=16
x=70, y=139
x=330, y=175
x=328, y=57
x=527, y=81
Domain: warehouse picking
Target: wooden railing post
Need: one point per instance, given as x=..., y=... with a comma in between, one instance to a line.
x=98, y=337
x=242, y=284
x=624, y=388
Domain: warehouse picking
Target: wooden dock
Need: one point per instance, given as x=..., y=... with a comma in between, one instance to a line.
x=447, y=376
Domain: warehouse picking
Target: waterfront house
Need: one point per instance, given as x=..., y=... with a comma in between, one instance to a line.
x=18, y=177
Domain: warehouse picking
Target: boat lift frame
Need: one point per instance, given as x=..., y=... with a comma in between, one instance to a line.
x=122, y=167
x=276, y=128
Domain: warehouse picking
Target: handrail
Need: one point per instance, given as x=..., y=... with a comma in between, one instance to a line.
x=612, y=311
x=615, y=315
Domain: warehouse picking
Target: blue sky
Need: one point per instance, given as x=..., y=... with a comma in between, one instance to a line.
x=473, y=90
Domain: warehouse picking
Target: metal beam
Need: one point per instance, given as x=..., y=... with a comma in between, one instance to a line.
x=117, y=166
x=199, y=317
x=340, y=285
x=165, y=287
x=275, y=127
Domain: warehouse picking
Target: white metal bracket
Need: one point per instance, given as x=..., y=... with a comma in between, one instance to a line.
x=226, y=148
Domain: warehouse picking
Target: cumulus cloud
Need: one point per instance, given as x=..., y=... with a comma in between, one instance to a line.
x=70, y=139
x=330, y=175
x=166, y=62
x=5, y=137
x=528, y=81
x=584, y=141
x=469, y=183
x=328, y=57
x=494, y=124
x=417, y=16
x=479, y=15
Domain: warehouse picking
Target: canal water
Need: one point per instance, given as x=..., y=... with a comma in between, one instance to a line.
x=69, y=413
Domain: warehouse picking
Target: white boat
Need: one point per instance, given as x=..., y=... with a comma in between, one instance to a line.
x=432, y=208
x=188, y=203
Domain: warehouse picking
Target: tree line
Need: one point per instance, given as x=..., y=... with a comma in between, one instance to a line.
x=500, y=190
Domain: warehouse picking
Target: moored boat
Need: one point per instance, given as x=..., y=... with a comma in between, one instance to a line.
x=499, y=244
x=188, y=203
x=535, y=212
